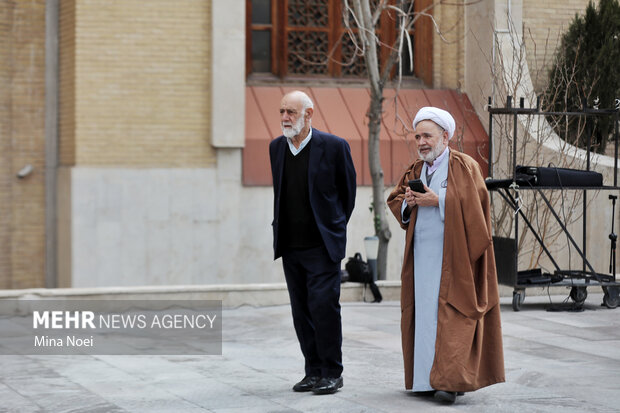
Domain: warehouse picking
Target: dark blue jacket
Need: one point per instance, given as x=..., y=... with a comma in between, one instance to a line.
x=331, y=182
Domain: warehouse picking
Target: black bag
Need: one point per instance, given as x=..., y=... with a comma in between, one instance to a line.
x=359, y=271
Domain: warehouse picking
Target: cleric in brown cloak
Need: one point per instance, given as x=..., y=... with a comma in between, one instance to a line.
x=449, y=285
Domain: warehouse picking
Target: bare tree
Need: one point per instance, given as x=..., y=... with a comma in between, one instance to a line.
x=509, y=78
x=361, y=18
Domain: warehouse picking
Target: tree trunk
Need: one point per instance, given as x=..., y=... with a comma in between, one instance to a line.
x=368, y=39
x=382, y=229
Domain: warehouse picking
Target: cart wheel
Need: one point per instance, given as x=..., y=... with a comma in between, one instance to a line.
x=517, y=299
x=579, y=294
x=610, y=298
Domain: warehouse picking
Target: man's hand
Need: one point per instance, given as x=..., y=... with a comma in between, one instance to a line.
x=410, y=197
x=428, y=198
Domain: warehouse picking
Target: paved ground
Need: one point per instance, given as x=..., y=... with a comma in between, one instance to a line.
x=555, y=362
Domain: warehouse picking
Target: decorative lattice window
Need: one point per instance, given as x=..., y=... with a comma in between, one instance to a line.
x=308, y=38
x=306, y=52
x=352, y=67
x=308, y=13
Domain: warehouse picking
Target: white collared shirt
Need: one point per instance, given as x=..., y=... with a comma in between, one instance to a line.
x=303, y=144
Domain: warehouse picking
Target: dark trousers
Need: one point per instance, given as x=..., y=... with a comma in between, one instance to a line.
x=313, y=282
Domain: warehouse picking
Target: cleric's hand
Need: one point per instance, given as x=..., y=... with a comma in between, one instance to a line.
x=428, y=198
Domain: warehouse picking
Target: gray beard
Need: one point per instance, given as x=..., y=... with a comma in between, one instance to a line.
x=295, y=129
x=433, y=154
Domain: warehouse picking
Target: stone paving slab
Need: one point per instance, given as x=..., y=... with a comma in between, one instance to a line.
x=555, y=361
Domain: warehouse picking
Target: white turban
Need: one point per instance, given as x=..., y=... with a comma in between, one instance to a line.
x=439, y=116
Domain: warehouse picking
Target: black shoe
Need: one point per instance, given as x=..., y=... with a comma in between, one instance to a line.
x=307, y=383
x=429, y=393
x=328, y=385
x=448, y=397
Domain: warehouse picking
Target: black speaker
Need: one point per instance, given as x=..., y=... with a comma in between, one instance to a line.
x=562, y=177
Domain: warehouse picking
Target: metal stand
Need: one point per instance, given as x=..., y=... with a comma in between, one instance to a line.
x=578, y=280
x=610, y=298
x=612, y=237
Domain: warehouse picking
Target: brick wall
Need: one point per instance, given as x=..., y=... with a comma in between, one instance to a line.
x=66, y=95
x=134, y=79
x=22, y=108
x=5, y=145
x=449, y=47
x=543, y=27
x=134, y=86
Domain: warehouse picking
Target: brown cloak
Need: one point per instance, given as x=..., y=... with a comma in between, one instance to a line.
x=468, y=349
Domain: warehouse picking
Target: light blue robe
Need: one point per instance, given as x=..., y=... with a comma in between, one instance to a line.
x=428, y=256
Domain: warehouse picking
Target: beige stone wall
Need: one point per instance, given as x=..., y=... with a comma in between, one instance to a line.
x=22, y=105
x=542, y=30
x=543, y=25
x=134, y=86
x=449, y=46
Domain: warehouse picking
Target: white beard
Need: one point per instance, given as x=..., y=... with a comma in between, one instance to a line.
x=295, y=129
x=433, y=154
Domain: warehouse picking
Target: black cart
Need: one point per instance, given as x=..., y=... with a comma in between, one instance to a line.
x=509, y=189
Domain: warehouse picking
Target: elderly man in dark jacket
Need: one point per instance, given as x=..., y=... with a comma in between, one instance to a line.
x=314, y=195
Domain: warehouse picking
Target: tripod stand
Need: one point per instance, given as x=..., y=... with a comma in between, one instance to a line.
x=611, y=296
x=612, y=237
